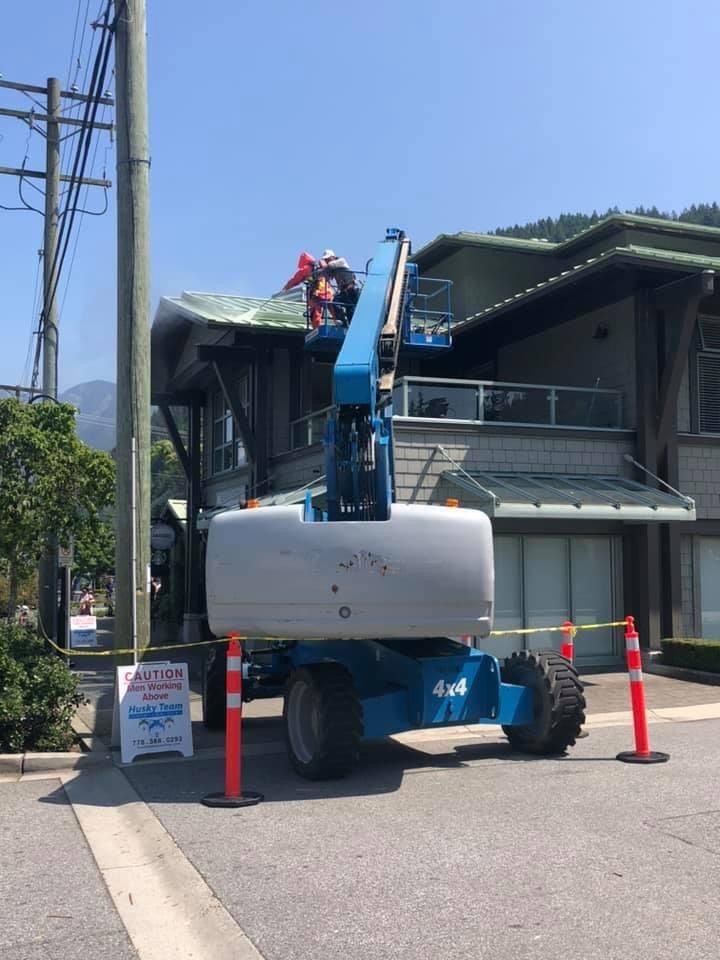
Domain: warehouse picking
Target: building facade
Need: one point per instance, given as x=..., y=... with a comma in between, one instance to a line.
x=580, y=407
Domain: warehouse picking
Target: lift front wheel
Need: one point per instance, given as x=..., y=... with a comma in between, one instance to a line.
x=323, y=721
x=559, y=702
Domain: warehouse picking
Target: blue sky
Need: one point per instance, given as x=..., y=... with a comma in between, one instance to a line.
x=278, y=126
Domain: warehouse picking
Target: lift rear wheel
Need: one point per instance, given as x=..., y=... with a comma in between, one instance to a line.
x=213, y=688
x=559, y=702
x=323, y=721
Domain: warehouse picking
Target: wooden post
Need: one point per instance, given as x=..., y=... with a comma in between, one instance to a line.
x=133, y=315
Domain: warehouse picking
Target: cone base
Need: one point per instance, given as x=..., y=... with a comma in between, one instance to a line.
x=629, y=756
x=248, y=798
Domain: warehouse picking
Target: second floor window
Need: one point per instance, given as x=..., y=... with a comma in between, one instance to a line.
x=708, y=375
x=228, y=451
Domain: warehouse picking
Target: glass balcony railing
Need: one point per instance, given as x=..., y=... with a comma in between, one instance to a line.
x=514, y=404
x=486, y=401
x=310, y=429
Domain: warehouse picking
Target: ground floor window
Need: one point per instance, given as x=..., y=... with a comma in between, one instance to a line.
x=545, y=580
x=708, y=557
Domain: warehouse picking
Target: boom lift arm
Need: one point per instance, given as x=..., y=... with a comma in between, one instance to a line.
x=359, y=436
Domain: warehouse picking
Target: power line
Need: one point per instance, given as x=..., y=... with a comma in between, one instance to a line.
x=84, y=138
x=78, y=173
x=74, y=40
x=33, y=314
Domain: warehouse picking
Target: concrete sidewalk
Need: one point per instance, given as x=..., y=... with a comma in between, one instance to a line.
x=605, y=693
x=55, y=905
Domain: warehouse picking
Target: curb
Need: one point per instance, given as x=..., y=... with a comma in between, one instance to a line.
x=682, y=673
x=11, y=763
x=18, y=764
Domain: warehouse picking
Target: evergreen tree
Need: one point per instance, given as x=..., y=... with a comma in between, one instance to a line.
x=567, y=225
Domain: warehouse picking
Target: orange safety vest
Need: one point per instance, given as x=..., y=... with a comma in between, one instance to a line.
x=319, y=288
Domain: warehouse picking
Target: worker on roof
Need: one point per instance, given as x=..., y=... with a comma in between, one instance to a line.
x=337, y=269
x=318, y=288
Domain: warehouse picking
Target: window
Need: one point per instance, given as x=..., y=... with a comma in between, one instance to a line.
x=709, y=562
x=228, y=451
x=708, y=375
x=545, y=580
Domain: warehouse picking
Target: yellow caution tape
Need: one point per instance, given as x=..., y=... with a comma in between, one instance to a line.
x=123, y=651
x=575, y=627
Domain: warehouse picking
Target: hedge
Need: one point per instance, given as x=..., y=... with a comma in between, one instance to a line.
x=692, y=654
x=38, y=694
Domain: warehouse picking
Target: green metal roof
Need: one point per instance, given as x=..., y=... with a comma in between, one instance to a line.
x=643, y=255
x=216, y=309
x=610, y=224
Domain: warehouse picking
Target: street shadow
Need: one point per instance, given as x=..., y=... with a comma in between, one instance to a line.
x=383, y=766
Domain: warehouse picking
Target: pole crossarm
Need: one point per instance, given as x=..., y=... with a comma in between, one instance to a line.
x=65, y=94
x=64, y=177
x=31, y=115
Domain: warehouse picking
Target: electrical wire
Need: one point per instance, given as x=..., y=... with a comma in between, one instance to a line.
x=75, y=105
x=33, y=314
x=78, y=172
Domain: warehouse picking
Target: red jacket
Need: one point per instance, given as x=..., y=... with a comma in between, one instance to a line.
x=306, y=265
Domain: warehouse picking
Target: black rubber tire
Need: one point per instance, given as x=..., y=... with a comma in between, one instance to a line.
x=333, y=745
x=559, y=702
x=213, y=688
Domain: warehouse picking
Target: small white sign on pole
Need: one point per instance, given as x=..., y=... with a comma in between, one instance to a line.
x=154, y=709
x=66, y=555
x=83, y=631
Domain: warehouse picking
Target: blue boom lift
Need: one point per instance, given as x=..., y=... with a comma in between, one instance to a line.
x=360, y=603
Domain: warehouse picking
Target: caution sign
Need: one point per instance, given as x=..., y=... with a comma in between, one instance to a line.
x=83, y=631
x=154, y=707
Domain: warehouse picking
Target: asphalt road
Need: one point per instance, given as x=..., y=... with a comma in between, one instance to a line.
x=466, y=851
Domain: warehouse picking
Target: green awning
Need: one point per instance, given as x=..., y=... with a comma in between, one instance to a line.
x=561, y=497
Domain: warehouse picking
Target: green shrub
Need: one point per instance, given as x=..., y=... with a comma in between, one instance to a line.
x=692, y=654
x=38, y=694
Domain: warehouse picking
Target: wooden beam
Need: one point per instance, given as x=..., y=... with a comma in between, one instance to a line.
x=177, y=440
x=67, y=94
x=30, y=116
x=221, y=353
x=645, y=598
x=65, y=178
x=193, y=557
x=682, y=298
x=224, y=376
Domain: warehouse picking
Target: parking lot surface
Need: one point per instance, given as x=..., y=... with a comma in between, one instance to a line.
x=465, y=850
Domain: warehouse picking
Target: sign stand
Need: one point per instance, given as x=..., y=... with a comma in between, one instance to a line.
x=154, y=709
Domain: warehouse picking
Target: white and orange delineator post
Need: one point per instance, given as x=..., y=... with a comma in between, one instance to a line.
x=642, y=752
x=567, y=645
x=234, y=795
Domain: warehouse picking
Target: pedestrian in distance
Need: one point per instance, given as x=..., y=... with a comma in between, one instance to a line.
x=87, y=603
x=319, y=292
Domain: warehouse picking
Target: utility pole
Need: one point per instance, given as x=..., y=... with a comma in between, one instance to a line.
x=53, y=176
x=52, y=217
x=133, y=329
x=48, y=565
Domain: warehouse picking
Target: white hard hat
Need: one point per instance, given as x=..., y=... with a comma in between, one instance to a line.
x=328, y=255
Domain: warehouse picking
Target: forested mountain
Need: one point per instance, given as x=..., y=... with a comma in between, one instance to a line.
x=568, y=224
